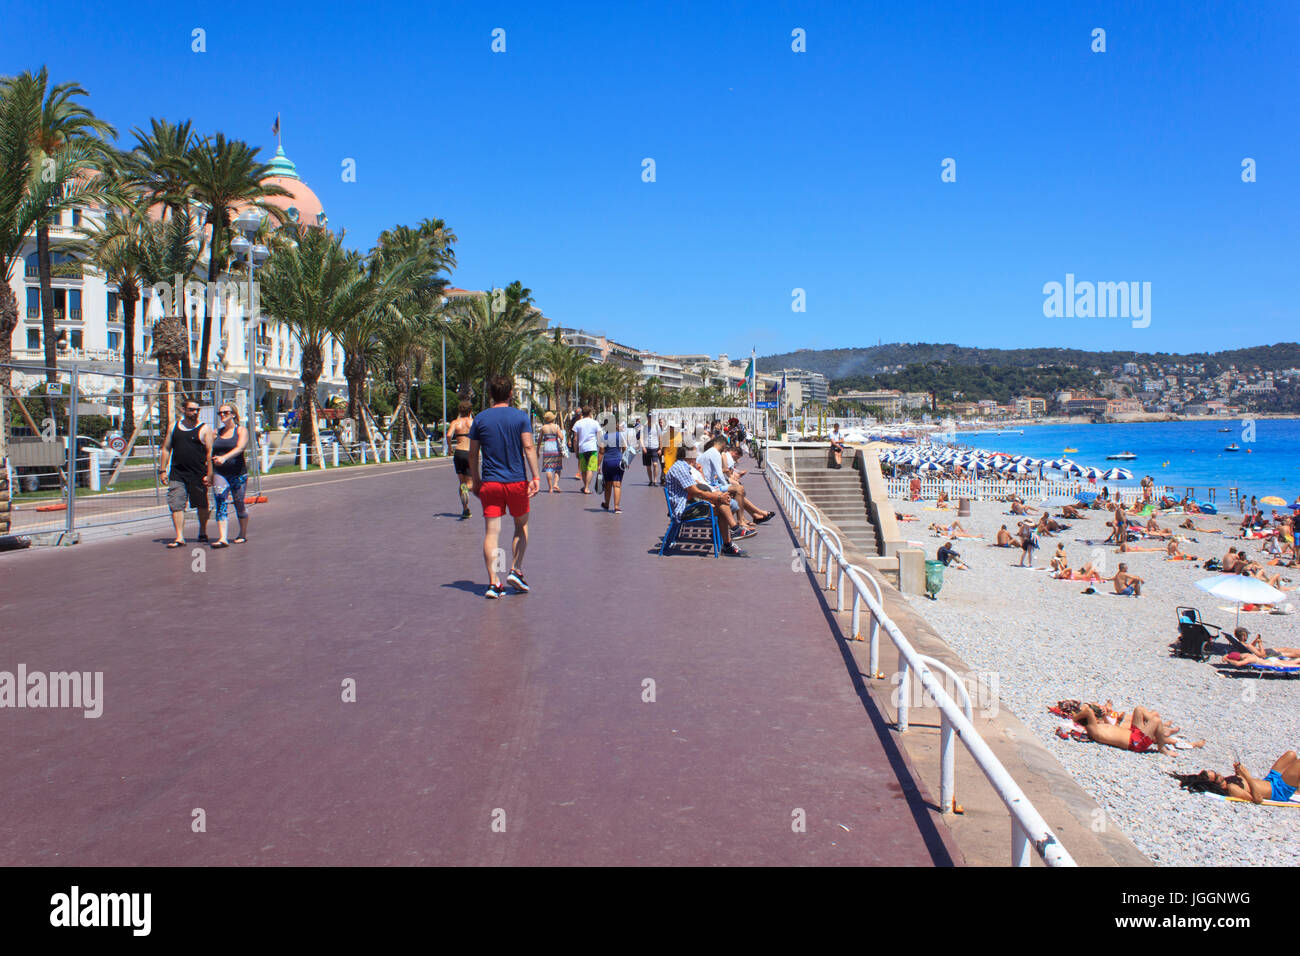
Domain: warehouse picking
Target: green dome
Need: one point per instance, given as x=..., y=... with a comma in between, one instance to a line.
x=282, y=165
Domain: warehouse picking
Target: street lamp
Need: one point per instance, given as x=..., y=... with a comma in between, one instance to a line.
x=442, y=305
x=248, y=223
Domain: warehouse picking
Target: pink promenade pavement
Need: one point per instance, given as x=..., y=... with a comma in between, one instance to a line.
x=223, y=692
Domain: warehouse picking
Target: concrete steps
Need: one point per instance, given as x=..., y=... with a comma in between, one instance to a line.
x=838, y=495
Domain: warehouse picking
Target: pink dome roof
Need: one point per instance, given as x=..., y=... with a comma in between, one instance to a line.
x=302, y=205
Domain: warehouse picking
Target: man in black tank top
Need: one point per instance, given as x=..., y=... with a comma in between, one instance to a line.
x=188, y=451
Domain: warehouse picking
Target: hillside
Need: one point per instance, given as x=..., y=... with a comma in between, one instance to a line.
x=846, y=363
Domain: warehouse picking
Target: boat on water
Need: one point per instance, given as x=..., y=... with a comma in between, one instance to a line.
x=1232, y=447
x=1225, y=429
x=1070, y=451
x=1122, y=456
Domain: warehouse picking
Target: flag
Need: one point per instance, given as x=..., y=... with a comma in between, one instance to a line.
x=749, y=374
x=275, y=130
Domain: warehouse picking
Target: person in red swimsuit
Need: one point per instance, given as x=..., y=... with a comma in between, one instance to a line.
x=1139, y=732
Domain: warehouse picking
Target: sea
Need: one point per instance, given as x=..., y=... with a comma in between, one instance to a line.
x=1182, y=455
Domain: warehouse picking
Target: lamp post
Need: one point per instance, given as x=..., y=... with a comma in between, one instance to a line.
x=247, y=223
x=442, y=302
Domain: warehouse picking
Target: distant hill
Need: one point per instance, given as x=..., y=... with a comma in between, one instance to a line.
x=849, y=363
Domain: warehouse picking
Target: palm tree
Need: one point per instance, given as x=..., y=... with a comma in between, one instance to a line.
x=562, y=364
x=156, y=165
x=490, y=334
x=314, y=286
x=653, y=394
x=31, y=192
x=62, y=123
x=224, y=175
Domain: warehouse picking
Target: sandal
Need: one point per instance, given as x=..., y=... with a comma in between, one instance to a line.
x=220, y=544
x=241, y=540
x=175, y=544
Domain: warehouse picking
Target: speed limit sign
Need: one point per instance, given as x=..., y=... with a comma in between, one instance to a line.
x=118, y=444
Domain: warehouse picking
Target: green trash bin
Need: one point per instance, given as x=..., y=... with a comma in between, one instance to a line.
x=933, y=578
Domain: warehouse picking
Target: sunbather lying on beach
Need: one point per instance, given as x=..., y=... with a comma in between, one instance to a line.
x=1143, y=730
x=1085, y=573
x=1069, y=511
x=1155, y=531
x=1175, y=553
x=1020, y=508
x=1126, y=584
x=954, y=530
x=1262, y=652
x=899, y=516
x=1190, y=525
x=1280, y=784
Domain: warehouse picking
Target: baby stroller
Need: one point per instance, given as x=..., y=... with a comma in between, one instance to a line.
x=1195, y=638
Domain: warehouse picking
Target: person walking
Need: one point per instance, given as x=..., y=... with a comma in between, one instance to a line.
x=230, y=473
x=586, y=439
x=552, y=452
x=502, y=436
x=649, y=438
x=187, y=462
x=458, y=438
x=614, y=443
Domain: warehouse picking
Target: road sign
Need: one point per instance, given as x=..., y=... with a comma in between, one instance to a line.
x=765, y=404
x=118, y=444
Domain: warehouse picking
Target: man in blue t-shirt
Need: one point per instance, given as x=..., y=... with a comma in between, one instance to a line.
x=504, y=437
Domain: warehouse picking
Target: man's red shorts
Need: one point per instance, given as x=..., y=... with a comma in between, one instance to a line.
x=497, y=496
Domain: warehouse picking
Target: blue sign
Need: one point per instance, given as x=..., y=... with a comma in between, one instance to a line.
x=765, y=404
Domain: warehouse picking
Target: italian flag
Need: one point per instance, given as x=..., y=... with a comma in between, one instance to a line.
x=749, y=376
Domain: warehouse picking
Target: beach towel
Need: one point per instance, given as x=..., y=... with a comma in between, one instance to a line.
x=1293, y=803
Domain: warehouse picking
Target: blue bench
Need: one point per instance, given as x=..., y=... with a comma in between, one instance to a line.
x=675, y=526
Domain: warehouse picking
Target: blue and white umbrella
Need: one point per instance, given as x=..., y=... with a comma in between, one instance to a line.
x=1091, y=472
x=928, y=468
x=1117, y=474
x=1019, y=468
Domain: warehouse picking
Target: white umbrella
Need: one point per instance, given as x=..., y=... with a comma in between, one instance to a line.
x=1241, y=589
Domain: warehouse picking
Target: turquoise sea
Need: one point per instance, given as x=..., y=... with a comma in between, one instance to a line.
x=1180, y=454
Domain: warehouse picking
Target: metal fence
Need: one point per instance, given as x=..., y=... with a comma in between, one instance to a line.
x=93, y=461
x=989, y=489
x=1029, y=831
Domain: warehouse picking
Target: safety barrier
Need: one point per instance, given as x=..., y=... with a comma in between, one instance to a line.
x=1028, y=828
x=988, y=489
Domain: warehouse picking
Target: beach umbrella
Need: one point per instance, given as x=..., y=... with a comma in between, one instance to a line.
x=929, y=467
x=1273, y=500
x=1241, y=589
x=1091, y=472
x=1062, y=464
x=1117, y=474
x=1019, y=468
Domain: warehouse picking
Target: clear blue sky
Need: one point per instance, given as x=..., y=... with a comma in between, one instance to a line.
x=775, y=169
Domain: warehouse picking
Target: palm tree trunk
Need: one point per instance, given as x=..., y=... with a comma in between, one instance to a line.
x=8, y=322
x=354, y=370
x=47, y=301
x=214, y=269
x=312, y=364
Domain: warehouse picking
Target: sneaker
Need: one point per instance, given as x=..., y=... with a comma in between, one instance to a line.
x=732, y=551
x=743, y=533
x=464, y=514
x=516, y=580
x=493, y=592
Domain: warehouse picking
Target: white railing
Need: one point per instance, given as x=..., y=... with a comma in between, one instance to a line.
x=1028, y=828
x=988, y=489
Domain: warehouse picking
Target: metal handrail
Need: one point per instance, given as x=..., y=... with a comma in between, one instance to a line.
x=1028, y=828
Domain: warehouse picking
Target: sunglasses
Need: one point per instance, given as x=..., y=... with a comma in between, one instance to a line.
x=225, y=411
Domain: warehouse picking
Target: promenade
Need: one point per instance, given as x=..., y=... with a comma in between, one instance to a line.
x=223, y=687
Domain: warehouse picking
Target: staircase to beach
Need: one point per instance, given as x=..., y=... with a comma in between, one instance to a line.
x=838, y=494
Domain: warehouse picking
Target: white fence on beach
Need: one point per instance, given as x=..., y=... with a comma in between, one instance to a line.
x=986, y=489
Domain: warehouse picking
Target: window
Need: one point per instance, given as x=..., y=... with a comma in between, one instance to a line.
x=76, y=338
x=32, y=267
x=74, y=304
x=76, y=217
x=33, y=339
x=33, y=303
x=115, y=341
x=113, y=304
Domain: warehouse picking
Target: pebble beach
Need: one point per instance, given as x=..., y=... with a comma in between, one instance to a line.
x=1047, y=641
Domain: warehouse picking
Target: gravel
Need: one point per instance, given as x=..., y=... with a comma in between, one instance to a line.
x=1046, y=641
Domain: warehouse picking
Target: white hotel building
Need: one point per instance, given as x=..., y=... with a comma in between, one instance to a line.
x=88, y=318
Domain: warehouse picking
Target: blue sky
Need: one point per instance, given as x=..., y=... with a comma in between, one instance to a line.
x=775, y=170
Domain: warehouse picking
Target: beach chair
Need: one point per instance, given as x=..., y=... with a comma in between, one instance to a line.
x=1291, y=669
x=675, y=526
x=1195, y=640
